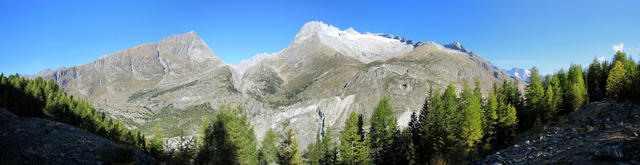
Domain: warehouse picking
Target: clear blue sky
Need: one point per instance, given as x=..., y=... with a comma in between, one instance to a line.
x=548, y=34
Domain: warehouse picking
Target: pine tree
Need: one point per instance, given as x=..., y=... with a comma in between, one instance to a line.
x=577, y=92
x=549, y=110
x=313, y=154
x=534, y=98
x=270, y=147
x=229, y=139
x=557, y=92
x=636, y=85
x=507, y=124
x=472, y=118
x=381, y=133
x=452, y=114
x=490, y=121
x=422, y=142
x=156, y=145
x=630, y=68
x=595, y=77
x=288, y=154
x=323, y=151
x=615, y=81
x=352, y=148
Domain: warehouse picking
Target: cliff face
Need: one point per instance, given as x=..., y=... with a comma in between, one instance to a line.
x=178, y=82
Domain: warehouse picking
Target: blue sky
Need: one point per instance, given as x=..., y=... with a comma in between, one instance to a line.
x=547, y=34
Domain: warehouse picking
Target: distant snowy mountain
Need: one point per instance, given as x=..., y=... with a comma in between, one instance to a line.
x=523, y=74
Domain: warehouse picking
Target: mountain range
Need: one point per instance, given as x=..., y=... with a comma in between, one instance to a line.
x=314, y=83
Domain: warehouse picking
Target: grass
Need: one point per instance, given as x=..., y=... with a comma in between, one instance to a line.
x=173, y=121
x=155, y=92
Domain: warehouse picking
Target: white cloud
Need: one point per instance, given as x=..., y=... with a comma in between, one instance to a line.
x=601, y=58
x=618, y=48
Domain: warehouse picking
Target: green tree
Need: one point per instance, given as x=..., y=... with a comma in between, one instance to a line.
x=353, y=150
x=615, y=81
x=156, y=145
x=288, y=154
x=507, y=115
x=630, y=68
x=490, y=121
x=507, y=124
x=636, y=85
x=324, y=151
x=471, y=121
x=577, y=92
x=216, y=147
x=534, y=98
x=381, y=133
x=313, y=154
x=596, y=81
x=557, y=92
x=452, y=114
x=270, y=147
x=229, y=139
x=549, y=110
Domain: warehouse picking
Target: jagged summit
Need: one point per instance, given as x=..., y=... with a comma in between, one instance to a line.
x=456, y=46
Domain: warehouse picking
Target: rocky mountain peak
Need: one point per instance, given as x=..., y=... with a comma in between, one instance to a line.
x=456, y=46
x=187, y=47
x=313, y=28
x=184, y=38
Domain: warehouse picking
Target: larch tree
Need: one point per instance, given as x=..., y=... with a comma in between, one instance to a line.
x=270, y=147
x=595, y=81
x=615, y=81
x=533, y=98
x=472, y=118
x=288, y=153
x=382, y=132
x=577, y=92
x=352, y=148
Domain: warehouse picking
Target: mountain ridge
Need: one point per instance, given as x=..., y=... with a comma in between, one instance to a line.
x=333, y=73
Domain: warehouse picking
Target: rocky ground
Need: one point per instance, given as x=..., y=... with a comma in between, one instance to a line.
x=603, y=132
x=40, y=141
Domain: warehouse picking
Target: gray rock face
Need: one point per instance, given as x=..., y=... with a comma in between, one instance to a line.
x=177, y=83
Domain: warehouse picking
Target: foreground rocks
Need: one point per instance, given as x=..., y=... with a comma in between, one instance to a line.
x=601, y=132
x=40, y=141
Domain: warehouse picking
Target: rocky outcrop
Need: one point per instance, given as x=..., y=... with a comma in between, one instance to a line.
x=599, y=133
x=40, y=141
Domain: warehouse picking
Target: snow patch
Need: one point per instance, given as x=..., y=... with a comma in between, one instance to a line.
x=365, y=47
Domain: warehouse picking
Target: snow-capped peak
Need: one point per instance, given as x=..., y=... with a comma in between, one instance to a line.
x=520, y=73
x=366, y=47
